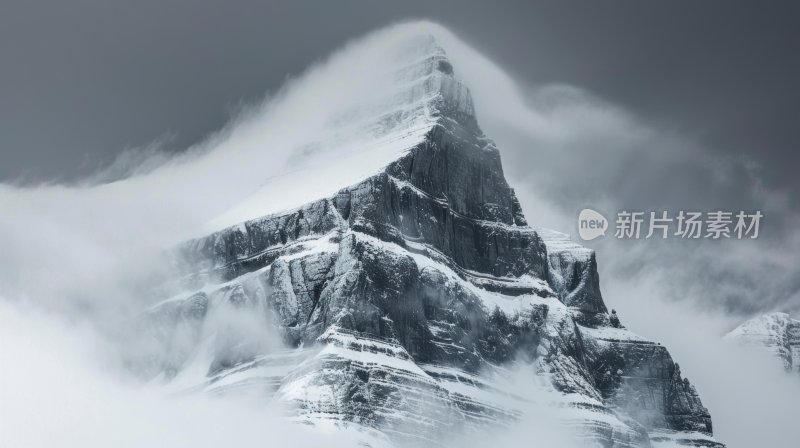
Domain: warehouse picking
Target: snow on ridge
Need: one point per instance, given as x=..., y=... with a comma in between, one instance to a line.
x=770, y=325
x=401, y=82
x=612, y=334
x=670, y=439
x=510, y=305
x=776, y=332
x=302, y=247
x=557, y=242
x=367, y=350
x=769, y=322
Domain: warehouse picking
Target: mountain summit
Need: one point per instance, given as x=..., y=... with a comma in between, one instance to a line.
x=776, y=332
x=405, y=296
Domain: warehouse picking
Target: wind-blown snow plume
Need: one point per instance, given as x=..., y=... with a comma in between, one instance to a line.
x=95, y=253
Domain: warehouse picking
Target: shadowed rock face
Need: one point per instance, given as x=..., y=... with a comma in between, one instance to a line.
x=405, y=292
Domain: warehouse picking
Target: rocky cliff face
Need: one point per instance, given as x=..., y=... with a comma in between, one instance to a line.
x=778, y=333
x=402, y=299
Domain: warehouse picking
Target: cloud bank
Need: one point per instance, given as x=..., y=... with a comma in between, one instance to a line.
x=79, y=259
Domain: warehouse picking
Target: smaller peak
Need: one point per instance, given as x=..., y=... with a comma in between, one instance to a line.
x=776, y=316
x=767, y=323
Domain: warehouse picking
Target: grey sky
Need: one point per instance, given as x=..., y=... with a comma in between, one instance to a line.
x=82, y=80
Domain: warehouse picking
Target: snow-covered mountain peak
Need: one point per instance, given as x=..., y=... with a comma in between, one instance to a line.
x=774, y=324
x=372, y=102
x=777, y=332
x=395, y=264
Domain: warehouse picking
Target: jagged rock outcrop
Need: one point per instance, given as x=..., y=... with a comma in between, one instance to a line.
x=573, y=274
x=405, y=293
x=778, y=333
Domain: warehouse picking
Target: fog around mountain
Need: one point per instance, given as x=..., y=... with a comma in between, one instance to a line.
x=79, y=260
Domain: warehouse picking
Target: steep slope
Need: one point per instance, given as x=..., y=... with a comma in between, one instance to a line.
x=633, y=375
x=394, y=99
x=776, y=332
x=405, y=296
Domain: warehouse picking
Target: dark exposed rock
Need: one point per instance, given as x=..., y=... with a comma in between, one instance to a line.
x=425, y=275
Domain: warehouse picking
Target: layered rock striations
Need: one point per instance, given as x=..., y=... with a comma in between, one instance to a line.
x=404, y=298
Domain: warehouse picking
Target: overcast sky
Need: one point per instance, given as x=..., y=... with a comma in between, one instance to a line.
x=83, y=80
x=678, y=105
x=701, y=87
